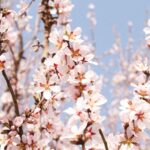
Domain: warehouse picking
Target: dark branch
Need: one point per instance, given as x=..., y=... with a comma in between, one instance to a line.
x=13, y=97
x=103, y=138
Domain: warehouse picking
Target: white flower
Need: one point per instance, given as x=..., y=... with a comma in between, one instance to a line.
x=56, y=37
x=113, y=141
x=94, y=100
x=142, y=66
x=18, y=121
x=78, y=111
x=72, y=36
x=47, y=87
x=142, y=116
x=16, y=140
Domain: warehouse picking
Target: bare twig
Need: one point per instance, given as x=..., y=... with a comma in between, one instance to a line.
x=12, y=93
x=13, y=97
x=83, y=146
x=103, y=138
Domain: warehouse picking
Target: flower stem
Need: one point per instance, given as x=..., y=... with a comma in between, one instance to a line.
x=83, y=146
x=103, y=138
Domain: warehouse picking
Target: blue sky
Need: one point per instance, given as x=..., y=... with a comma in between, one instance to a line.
x=110, y=13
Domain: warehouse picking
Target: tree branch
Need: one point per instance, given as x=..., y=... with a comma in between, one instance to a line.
x=12, y=93
x=103, y=138
x=48, y=21
x=13, y=97
x=83, y=146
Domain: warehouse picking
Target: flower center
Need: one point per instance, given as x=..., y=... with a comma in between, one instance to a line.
x=140, y=116
x=2, y=64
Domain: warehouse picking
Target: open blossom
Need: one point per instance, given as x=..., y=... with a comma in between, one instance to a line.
x=143, y=90
x=56, y=38
x=18, y=121
x=129, y=141
x=142, y=66
x=60, y=37
x=136, y=110
x=47, y=87
x=62, y=108
x=80, y=53
x=61, y=7
x=113, y=141
x=72, y=36
x=78, y=111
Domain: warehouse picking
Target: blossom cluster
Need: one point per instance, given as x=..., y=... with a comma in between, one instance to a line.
x=53, y=97
x=135, y=112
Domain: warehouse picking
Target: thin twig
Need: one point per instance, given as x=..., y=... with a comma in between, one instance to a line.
x=12, y=93
x=13, y=97
x=103, y=138
x=27, y=7
x=83, y=146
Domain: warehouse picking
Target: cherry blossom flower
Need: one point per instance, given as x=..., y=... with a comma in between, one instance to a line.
x=18, y=121
x=47, y=87
x=113, y=141
x=61, y=9
x=142, y=66
x=60, y=107
x=72, y=36
x=78, y=112
x=56, y=38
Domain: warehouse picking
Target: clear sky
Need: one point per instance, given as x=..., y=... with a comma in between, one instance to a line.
x=110, y=13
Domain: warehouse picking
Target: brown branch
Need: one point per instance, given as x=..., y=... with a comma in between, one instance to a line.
x=21, y=51
x=83, y=146
x=17, y=62
x=13, y=97
x=103, y=138
x=46, y=18
x=48, y=21
x=12, y=93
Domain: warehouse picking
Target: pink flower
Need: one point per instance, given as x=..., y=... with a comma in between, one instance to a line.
x=72, y=36
x=142, y=66
x=56, y=38
x=113, y=141
x=18, y=121
x=42, y=85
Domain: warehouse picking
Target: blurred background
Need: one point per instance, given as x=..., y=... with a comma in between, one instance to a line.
x=112, y=14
